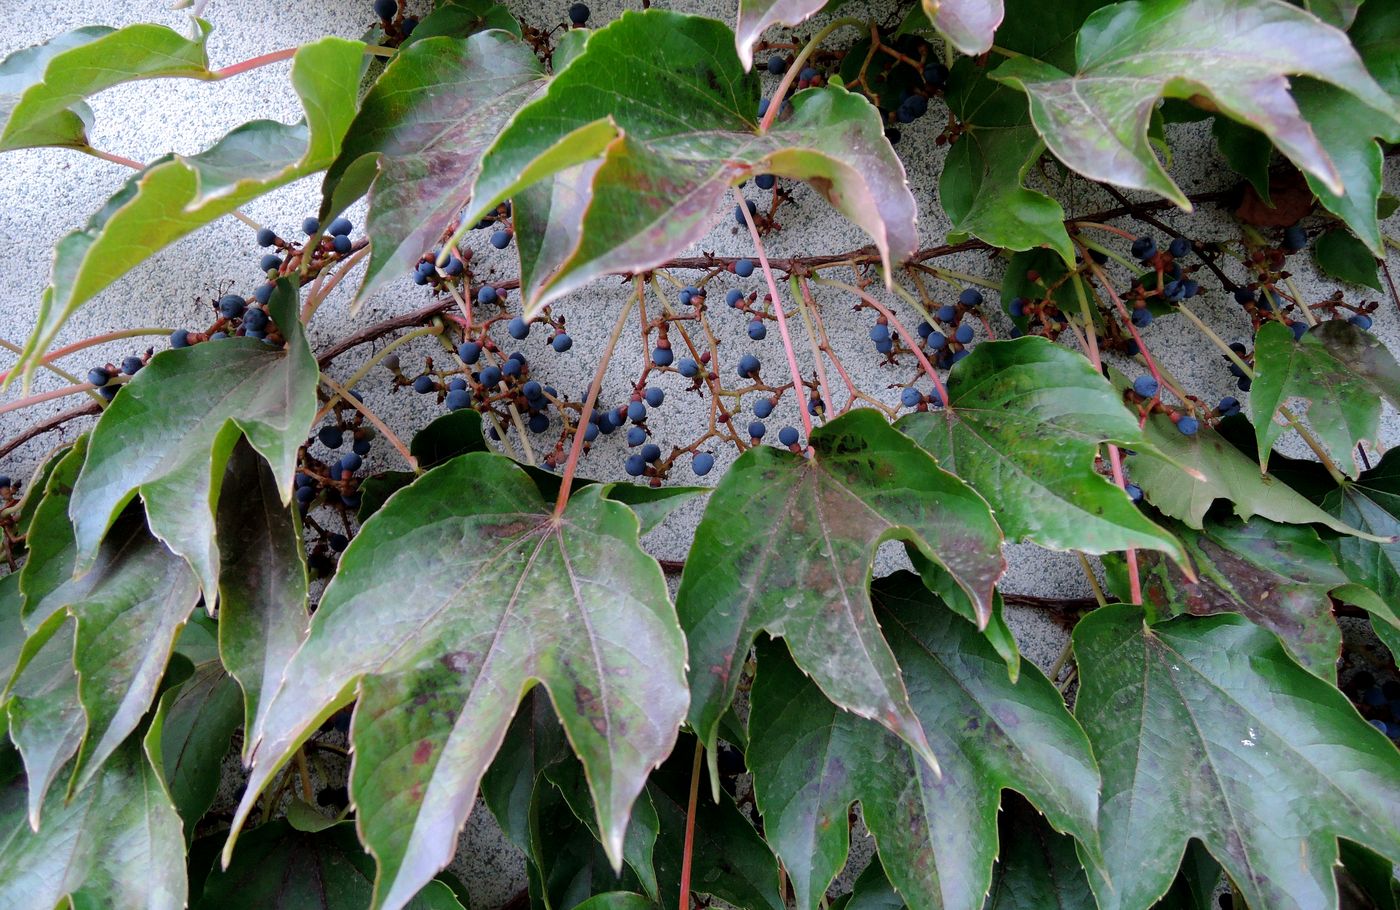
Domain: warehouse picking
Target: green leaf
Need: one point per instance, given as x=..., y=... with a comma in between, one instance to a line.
x=1372, y=503
x=44, y=715
x=1247, y=151
x=757, y=16
x=419, y=137
x=624, y=101
x=1376, y=36
x=1037, y=868
x=1024, y=427
x=1277, y=576
x=42, y=88
x=189, y=736
x=461, y=18
x=786, y=545
x=982, y=186
x=967, y=24
x=1218, y=471
x=567, y=775
x=1205, y=728
x=1334, y=12
x=169, y=433
x=872, y=891
x=936, y=834
x=1342, y=256
x=1239, y=56
x=616, y=900
x=454, y=433
x=262, y=580
x=11, y=637
x=116, y=845
x=50, y=541
x=730, y=860
x=564, y=863
x=1367, y=878
x=1341, y=371
x=534, y=741
x=489, y=593
x=178, y=195
x=280, y=868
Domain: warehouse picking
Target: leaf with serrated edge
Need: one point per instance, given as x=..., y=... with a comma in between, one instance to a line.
x=178, y=195
x=1205, y=728
x=936, y=835
x=1278, y=576
x=673, y=141
x=42, y=88
x=189, y=736
x=1342, y=372
x=1342, y=255
x=1026, y=422
x=43, y=712
x=786, y=545
x=1237, y=55
x=262, y=579
x=1223, y=472
x=488, y=593
x=569, y=779
x=169, y=433
x=1348, y=130
x=116, y=845
x=419, y=136
x=281, y=868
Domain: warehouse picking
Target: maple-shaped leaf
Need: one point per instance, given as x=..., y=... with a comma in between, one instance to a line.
x=457, y=596
x=1205, y=728
x=672, y=141
x=1026, y=421
x=42, y=88
x=176, y=195
x=116, y=844
x=1237, y=55
x=169, y=434
x=1278, y=576
x=418, y=139
x=1342, y=372
x=786, y=545
x=936, y=832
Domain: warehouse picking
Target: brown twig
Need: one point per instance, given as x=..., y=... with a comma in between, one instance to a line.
x=48, y=425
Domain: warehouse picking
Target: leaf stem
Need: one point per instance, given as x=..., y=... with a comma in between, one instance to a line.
x=689, y=849
x=253, y=63
x=320, y=292
x=791, y=75
x=803, y=296
x=31, y=400
x=778, y=310
x=576, y=449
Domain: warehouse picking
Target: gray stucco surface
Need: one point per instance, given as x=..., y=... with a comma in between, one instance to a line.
x=44, y=194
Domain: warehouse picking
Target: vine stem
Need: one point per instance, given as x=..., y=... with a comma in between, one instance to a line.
x=576, y=449
x=88, y=343
x=778, y=309
x=31, y=400
x=319, y=293
x=48, y=426
x=138, y=166
x=56, y=370
x=904, y=333
x=1308, y=439
x=791, y=75
x=373, y=418
x=689, y=848
x=1115, y=460
x=803, y=295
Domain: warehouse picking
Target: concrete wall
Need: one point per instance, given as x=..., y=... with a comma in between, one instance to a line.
x=45, y=194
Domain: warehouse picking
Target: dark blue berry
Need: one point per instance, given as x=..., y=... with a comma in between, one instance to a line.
x=180, y=338
x=757, y=429
x=98, y=376
x=654, y=396
x=884, y=347
x=748, y=366
x=911, y=398
x=130, y=365
x=762, y=408
x=1361, y=321
x=1188, y=426
x=743, y=268
x=269, y=262
x=662, y=357
x=1179, y=247
x=500, y=239
x=970, y=297
x=533, y=391
x=935, y=74
x=331, y=437
x=636, y=411
x=537, y=423
x=578, y=13
x=266, y=236
x=636, y=465
x=765, y=181
x=757, y=330
x=739, y=212
x=1244, y=295
x=350, y=462
x=702, y=463
x=264, y=293
x=486, y=294
x=231, y=306
x=386, y=9
x=936, y=341
x=1134, y=492
x=788, y=436
x=1144, y=248
x=879, y=332
x=512, y=367
x=469, y=351
x=963, y=334
x=518, y=328
x=360, y=447
x=590, y=432
x=688, y=368
x=561, y=342
x=1146, y=386
x=1017, y=307
x=1300, y=328
x=777, y=65
x=1294, y=239
x=424, y=384
x=1229, y=406
x=1142, y=318
x=947, y=313
x=342, y=245
x=733, y=297
x=310, y=226
x=636, y=436
x=490, y=377
x=651, y=452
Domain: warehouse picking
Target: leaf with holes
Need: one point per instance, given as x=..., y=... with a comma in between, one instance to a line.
x=417, y=141
x=116, y=844
x=489, y=593
x=178, y=195
x=262, y=579
x=169, y=434
x=278, y=866
x=189, y=736
x=42, y=88
x=672, y=141
x=1277, y=576
x=1205, y=728
x=937, y=835
x=1025, y=425
x=786, y=545
x=1132, y=54
x=982, y=186
x=1341, y=371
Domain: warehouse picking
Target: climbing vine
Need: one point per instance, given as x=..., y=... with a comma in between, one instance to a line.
x=243, y=563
